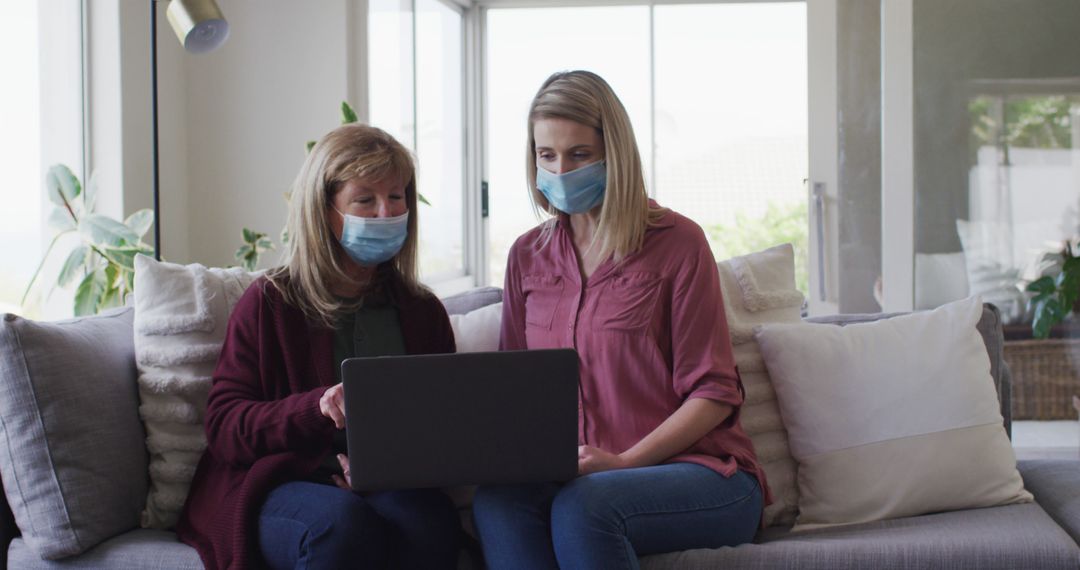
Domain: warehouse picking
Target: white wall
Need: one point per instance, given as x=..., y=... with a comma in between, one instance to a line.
x=251, y=106
x=232, y=123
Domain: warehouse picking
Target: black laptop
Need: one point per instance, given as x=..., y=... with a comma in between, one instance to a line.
x=461, y=419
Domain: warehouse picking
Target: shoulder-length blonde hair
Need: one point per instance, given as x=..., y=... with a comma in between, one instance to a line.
x=313, y=260
x=584, y=97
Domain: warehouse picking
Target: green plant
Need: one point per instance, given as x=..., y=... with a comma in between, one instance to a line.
x=1055, y=296
x=105, y=258
x=255, y=244
x=781, y=223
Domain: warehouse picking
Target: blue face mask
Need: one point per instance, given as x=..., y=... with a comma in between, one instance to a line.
x=371, y=241
x=574, y=192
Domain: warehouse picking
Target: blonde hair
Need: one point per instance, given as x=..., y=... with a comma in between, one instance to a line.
x=584, y=97
x=312, y=262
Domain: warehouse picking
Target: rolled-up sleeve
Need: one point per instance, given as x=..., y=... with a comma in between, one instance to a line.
x=702, y=357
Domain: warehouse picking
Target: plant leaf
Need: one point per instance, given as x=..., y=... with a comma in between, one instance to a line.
x=422, y=199
x=62, y=185
x=103, y=230
x=88, y=295
x=264, y=244
x=60, y=220
x=76, y=260
x=140, y=221
x=124, y=256
x=1042, y=285
x=347, y=113
x=251, y=236
x=310, y=145
x=284, y=236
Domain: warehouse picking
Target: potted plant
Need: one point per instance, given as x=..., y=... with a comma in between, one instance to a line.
x=1056, y=296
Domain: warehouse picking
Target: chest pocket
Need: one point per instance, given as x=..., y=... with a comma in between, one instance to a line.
x=628, y=302
x=542, y=295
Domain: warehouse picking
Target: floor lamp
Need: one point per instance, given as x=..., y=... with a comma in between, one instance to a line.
x=200, y=27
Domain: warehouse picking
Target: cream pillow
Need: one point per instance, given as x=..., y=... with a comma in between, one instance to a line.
x=893, y=418
x=478, y=330
x=758, y=289
x=181, y=312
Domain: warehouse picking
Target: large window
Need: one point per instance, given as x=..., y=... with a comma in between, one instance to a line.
x=717, y=95
x=41, y=113
x=416, y=59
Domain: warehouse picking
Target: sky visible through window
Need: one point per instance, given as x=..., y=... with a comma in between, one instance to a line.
x=21, y=218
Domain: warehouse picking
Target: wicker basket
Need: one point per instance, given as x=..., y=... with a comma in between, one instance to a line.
x=1046, y=376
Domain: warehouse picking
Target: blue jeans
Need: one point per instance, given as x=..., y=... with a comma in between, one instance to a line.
x=310, y=525
x=608, y=519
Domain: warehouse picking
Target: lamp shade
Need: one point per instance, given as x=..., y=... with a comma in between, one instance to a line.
x=199, y=24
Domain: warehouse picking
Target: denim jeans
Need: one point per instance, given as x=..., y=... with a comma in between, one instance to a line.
x=608, y=519
x=310, y=525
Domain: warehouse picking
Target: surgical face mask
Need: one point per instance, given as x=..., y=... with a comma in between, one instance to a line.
x=371, y=241
x=574, y=192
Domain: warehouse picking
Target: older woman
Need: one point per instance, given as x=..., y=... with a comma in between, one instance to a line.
x=663, y=463
x=273, y=487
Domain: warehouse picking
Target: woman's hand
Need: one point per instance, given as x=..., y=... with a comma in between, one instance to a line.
x=345, y=482
x=593, y=459
x=332, y=405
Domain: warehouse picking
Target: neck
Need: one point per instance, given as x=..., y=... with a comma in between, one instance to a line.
x=583, y=226
x=357, y=279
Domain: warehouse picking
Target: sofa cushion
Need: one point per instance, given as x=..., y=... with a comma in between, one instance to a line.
x=139, y=549
x=1009, y=537
x=181, y=312
x=758, y=289
x=990, y=328
x=68, y=409
x=894, y=418
x=1056, y=486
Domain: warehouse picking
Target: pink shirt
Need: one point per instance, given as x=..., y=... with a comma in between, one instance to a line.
x=650, y=333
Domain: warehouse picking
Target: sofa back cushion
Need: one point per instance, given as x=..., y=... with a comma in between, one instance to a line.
x=893, y=418
x=181, y=313
x=72, y=459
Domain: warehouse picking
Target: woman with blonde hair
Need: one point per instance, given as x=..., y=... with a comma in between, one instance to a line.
x=273, y=487
x=663, y=462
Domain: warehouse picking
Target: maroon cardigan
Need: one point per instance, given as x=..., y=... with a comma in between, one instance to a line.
x=263, y=424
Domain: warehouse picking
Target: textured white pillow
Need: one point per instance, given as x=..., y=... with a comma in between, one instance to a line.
x=759, y=288
x=181, y=312
x=892, y=418
x=478, y=331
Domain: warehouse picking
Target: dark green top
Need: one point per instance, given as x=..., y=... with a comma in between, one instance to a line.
x=373, y=330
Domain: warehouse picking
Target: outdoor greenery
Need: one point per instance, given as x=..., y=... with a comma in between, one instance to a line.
x=1029, y=122
x=103, y=263
x=781, y=223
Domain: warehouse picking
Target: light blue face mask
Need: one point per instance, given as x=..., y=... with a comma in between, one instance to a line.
x=371, y=241
x=574, y=192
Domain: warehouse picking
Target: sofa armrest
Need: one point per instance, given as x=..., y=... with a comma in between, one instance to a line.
x=1056, y=486
x=8, y=529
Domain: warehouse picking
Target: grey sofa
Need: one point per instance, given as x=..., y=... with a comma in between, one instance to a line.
x=1040, y=535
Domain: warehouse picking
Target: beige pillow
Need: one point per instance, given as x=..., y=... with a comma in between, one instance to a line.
x=760, y=289
x=181, y=312
x=892, y=418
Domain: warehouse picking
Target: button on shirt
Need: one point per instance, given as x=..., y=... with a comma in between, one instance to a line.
x=650, y=332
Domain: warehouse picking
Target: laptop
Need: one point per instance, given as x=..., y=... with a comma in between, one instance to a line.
x=461, y=419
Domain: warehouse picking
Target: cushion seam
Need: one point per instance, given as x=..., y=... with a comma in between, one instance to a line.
x=891, y=439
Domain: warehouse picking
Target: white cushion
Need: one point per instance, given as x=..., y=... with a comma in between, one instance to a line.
x=939, y=278
x=181, y=313
x=758, y=289
x=893, y=418
x=478, y=331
